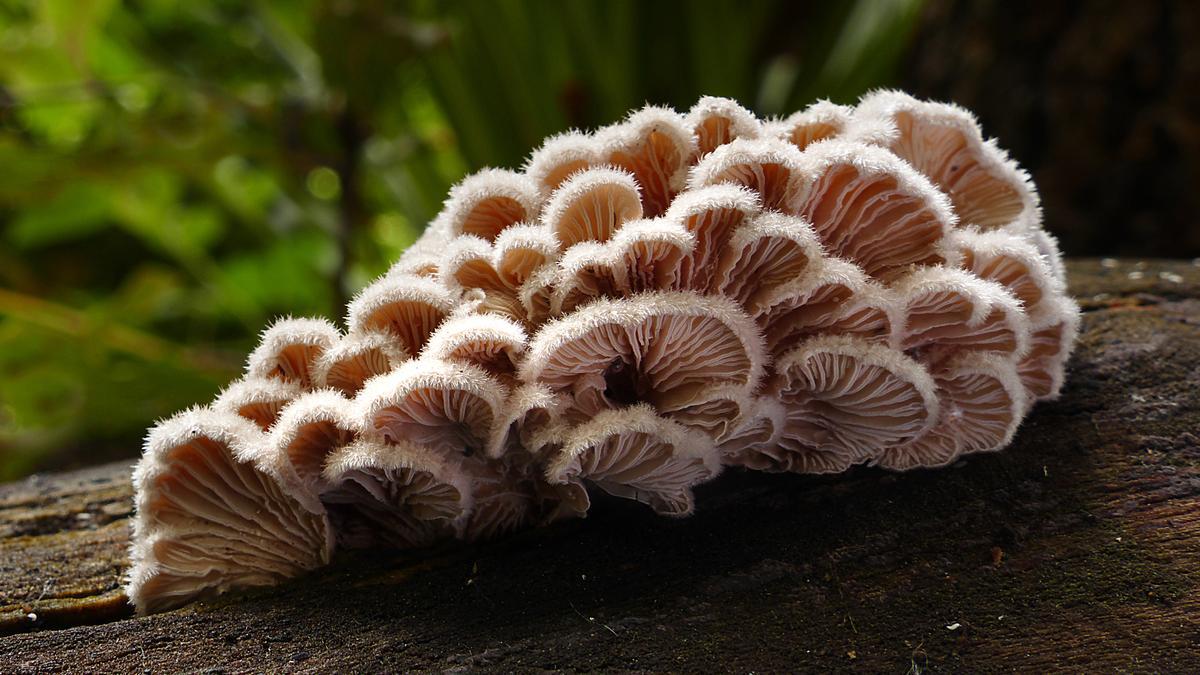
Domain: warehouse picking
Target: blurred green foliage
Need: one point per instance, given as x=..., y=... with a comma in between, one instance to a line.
x=173, y=175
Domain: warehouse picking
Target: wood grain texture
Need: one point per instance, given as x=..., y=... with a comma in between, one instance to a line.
x=1076, y=549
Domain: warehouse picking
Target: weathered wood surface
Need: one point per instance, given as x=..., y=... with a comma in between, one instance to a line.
x=1076, y=549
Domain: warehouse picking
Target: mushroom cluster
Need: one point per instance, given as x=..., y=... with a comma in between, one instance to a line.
x=638, y=308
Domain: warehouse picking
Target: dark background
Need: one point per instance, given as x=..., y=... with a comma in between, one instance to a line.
x=175, y=175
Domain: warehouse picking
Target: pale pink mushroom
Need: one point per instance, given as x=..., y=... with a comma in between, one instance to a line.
x=258, y=399
x=356, y=358
x=847, y=399
x=409, y=308
x=559, y=158
x=591, y=205
x=873, y=209
x=771, y=167
x=634, y=453
x=944, y=143
x=716, y=121
x=398, y=494
x=982, y=402
x=637, y=307
x=948, y=310
x=486, y=203
x=454, y=408
x=289, y=349
x=212, y=518
x=818, y=122
x=659, y=348
x=655, y=146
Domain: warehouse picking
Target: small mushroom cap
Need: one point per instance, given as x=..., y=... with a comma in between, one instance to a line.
x=409, y=495
x=451, y=407
x=765, y=254
x=671, y=345
x=491, y=342
x=712, y=214
x=716, y=121
x=982, y=402
x=486, y=203
x=1015, y=263
x=655, y=145
x=820, y=121
x=636, y=454
x=848, y=398
x=356, y=358
x=873, y=209
x=289, y=349
x=309, y=430
x=211, y=518
x=592, y=205
x=771, y=167
x=1043, y=368
x=947, y=310
x=407, y=307
x=943, y=142
x=833, y=297
x=258, y=399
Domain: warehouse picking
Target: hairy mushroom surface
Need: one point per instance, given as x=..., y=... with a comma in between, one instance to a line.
x=631, y=311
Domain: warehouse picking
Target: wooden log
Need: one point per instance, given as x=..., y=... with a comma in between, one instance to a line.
x=1076, y=549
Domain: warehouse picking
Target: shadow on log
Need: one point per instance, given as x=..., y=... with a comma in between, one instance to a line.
x=1078, y=548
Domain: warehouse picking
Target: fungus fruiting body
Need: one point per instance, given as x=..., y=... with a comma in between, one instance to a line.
x=635, y=310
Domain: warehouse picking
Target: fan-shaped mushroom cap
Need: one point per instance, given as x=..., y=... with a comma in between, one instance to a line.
x=664, y=348
x=943, y=142
x=771, y=167
x=591, y=205
x=833, y=297
x=210, y=518
x=1043, y=368
x=408, y=308
x=521, y=250
x=656, y=146
x=454, y=408
x=408, y=496
x=644, y=255
x=491, y=342
x=258, y=399
x=982, y=403
x=764, y=255
x=309, y=430
x=820, y=121
x=1014, y=263
x=636, y=454
x=486, y=203
x=587, y=271
x=289, y=348
x=873, y=209
x=356, y=358
x=711, y=214
x=716, y=121
x=948, y=310
x=647, y=254
x=847, y=399
x=560, y=157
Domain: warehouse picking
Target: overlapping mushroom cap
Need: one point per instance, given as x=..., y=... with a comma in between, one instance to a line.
x=635, y=309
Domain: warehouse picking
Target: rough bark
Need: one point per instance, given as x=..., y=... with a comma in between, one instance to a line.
x=1077, y=549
